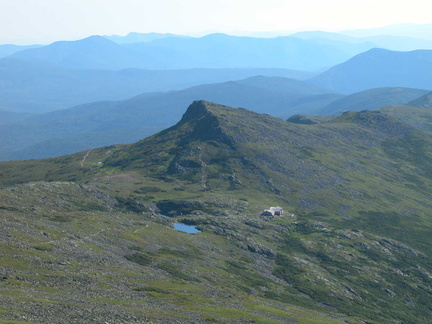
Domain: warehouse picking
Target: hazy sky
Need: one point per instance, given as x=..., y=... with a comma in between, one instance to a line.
x=44, y=21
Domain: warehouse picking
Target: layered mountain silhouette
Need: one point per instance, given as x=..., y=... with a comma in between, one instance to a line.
x=9, y=49
x=34, y=86
x=7, y=117
x=64, y=73
x=389, y=42
x=211, y=51
x=95, y=52
x=48, y=77
x=378, y=68
x=139, y=37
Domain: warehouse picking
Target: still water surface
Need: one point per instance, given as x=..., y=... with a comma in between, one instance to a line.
x=186, y=228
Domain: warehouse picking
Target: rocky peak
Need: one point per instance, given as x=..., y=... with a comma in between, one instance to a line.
x=196, y=110
x=202, y=121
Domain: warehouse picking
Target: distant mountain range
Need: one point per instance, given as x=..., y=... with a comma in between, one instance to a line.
x=35, y=86
x=309, y=51
x=9, y=49
x=140, y=37
x=95, y=52
x=211, y=51
x=42, y=87
x=7, y=117
x=378, y=68
x=391, y=42
x=69, y=73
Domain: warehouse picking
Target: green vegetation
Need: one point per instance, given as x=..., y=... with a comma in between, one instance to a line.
x=353, y=246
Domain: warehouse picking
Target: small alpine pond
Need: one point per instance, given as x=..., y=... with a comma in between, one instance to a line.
x=190, y=229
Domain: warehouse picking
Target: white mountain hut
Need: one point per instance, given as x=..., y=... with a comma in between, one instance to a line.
x=273, y=211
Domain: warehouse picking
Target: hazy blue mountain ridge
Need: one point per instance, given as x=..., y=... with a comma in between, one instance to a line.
x=36, y=90
x=390, y=42
x=379, y=68
x=37, y=86
x=94, y=52
x=211, y=51
x=9, y=49
x=220, y=50
x=139, y=37
x=7, y=117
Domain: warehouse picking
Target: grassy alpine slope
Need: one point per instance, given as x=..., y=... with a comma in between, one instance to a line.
x=84, y=234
